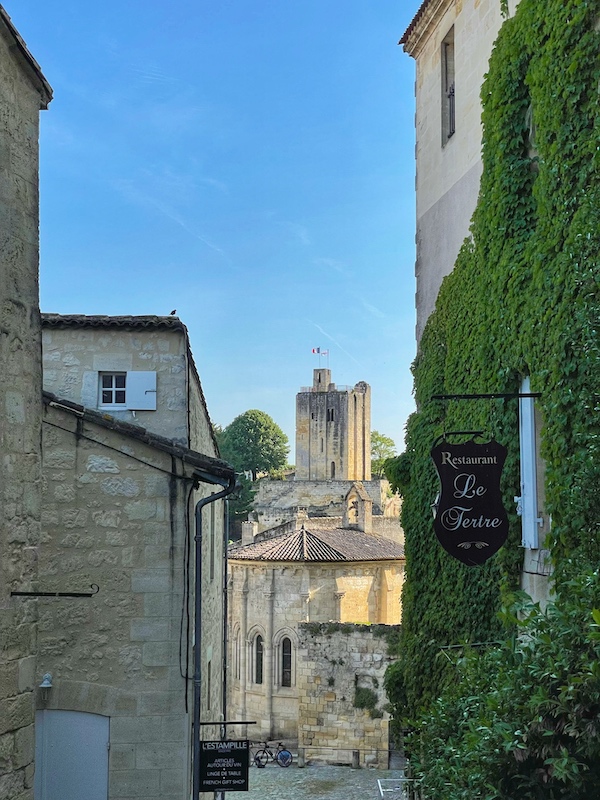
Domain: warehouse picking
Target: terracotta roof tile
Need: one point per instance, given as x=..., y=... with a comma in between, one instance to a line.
x=321, y=545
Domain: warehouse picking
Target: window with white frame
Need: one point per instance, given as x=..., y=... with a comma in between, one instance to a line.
x=531, y=471
x=134, y=390
x=113, y=387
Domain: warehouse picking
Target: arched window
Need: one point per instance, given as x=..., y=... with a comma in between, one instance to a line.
x=332, y=470
x=258, y=659
x=286, y=662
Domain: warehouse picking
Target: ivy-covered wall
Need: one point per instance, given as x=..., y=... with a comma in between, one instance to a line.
x=522, y=300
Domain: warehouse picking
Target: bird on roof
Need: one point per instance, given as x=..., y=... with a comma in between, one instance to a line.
x=172, y=314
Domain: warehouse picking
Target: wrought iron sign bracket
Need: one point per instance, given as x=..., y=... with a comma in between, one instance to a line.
x=94, y=586
x=490, y=396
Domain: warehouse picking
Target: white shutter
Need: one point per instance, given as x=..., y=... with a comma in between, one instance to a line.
x=527, y=441
x=141, y=391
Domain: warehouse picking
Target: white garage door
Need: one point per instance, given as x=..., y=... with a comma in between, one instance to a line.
x=71, y=756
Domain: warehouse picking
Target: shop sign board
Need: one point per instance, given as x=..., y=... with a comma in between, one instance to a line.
x=224, y=766
x=471, y=522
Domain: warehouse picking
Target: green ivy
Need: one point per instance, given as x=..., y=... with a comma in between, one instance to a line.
x=522, y=300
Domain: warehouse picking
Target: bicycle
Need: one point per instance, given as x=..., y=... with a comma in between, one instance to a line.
x=268, y=753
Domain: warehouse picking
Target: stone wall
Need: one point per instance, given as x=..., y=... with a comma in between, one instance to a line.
x=116, y=514
x=271, y=600
x=278, y=501
x=74, y=355
x=448, y=173
x=340, y=667
x=333, y=431
x=20, y=413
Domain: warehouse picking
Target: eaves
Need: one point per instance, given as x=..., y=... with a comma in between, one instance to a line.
x=220, y=470
x=31, y=66
x=422, y=25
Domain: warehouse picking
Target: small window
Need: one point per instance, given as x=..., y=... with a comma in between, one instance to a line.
x=330, y=415
x=135, y=390
x=258, y=659
x=286, y=662
x=113, y=388
x=448, y=88
x=332, y=470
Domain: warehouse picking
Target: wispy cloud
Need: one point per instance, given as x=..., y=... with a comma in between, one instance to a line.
x=150, y=73
x=334, y=341
x=136, y=195
x=376, y=312
x=333, y=264
x=297, y=231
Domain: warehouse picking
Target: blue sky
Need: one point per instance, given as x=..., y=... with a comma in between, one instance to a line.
x=249, y=163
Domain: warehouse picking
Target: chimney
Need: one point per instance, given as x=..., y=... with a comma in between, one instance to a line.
x=249, y=531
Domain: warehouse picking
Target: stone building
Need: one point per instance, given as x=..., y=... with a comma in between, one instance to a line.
x=451, y=43
x=333, y=431
x=308, y=570
x=23, y=93
x=333, y=450
x=118, y=512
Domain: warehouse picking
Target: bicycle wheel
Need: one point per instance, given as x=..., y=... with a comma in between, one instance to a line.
x=261, y=758
x=284, y=758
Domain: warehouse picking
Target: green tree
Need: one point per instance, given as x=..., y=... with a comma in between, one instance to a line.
x=254, y=443
x=382, y=448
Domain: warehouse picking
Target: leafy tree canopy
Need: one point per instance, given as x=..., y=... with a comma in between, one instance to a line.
x=254, y=443
x=382, y=448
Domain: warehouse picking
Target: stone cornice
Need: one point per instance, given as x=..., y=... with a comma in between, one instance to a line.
x=423, y=24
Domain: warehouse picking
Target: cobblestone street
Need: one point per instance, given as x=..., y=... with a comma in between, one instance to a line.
x=313, y=783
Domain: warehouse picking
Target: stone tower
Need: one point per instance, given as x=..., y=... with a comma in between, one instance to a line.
x=333, y=431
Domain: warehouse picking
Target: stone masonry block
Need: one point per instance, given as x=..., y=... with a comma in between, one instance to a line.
x=161, y=702
x=143, y=630
x=134, y=783
x=159, y=654
x=172, y=781
x=162, y=755
x=24, y=746
x=175, y=728
x=150, y=580
x=122, y=756
x=16, y=712
x=130, y=730
x=9, y=679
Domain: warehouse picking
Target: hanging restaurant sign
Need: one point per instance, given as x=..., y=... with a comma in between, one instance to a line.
x=471, y=522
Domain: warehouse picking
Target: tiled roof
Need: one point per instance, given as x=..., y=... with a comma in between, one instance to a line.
x=205, y=464
x=414, y=21
x=32, y=66
x=321, y=545
x=105, y=321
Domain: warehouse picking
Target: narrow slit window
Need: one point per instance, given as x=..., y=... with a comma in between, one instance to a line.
x=258, y=666
x=286, y=662
x=448, y=88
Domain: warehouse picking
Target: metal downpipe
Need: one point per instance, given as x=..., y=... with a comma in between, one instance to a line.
x=204, y=501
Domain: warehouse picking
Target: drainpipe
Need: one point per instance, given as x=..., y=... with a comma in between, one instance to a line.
x=198, y=624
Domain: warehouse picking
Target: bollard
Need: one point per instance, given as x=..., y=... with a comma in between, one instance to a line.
x=356, y=759
x=301, y=761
